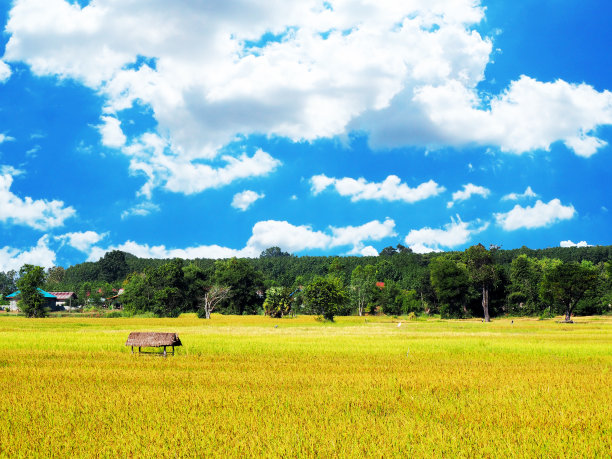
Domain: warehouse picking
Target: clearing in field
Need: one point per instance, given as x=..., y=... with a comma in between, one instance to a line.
x=298, y=387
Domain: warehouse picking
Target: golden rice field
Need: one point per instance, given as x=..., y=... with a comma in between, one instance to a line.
x=241, y=387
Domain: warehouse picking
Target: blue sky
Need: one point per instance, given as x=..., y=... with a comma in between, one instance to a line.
x=207, y=129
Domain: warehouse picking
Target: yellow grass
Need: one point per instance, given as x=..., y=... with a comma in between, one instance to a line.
x=240, y=386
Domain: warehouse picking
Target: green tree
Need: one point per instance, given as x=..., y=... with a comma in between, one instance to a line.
x=388, y=251
x=325, y=296
x=55, y=275
x=274, y=252
x=31, y=301
x=168, y=281
x=569, y=282
x=8, y=282
x=525, y=277
x=113, y=267
x=450, y=282
x=362, y=287
x=246, y=284
x=481, y=271
x=137, y=294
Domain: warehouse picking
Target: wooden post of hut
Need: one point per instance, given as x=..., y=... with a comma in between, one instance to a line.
x=153, y=339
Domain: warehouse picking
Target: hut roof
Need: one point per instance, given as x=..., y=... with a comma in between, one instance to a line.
x=153, y=339
x=63, y=295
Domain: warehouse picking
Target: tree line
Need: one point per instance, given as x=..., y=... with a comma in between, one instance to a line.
x=478, y=282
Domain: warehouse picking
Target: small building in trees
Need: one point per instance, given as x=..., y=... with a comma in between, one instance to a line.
x=153, y=339
x=50, y=300
x=65, y=300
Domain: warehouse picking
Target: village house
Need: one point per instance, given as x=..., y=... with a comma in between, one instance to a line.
x=50, y=300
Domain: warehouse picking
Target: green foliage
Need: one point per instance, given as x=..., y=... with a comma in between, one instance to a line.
x=450, y=282
x=113, y=267
x=325, y=296
x=273, y=252
x=246, y=285
x=482, y=273
x=569, y=282
x=278, y=302
x=363, y=290
x=514, y=280
x=8, y=282
x=31, y=301
x=525, y=278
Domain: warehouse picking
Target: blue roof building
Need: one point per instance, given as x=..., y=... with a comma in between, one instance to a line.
x=50, y=300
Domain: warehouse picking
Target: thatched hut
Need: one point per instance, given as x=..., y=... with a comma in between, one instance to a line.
x=153, y=339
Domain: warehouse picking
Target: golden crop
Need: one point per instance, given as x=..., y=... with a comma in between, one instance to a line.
x=240, y=386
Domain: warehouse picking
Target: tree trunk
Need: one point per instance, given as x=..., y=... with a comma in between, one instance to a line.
x=568, y=315
x=485, y=303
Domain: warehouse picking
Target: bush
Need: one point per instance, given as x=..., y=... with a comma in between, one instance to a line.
x=113, y=314
x=278, y=302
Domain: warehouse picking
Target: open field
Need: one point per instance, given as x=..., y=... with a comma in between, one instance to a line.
x=354, y=388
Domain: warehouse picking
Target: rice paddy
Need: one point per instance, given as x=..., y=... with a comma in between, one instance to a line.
x=302, y=388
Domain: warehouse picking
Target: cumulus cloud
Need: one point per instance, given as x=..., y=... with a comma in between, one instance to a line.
x=39, y=214
x=367, y=251
x=152, y=157
x=161, y=251
x=390, y=189
x=270, y=233
x=528, y=193
x=404, y=72
x=5, y=72
x=536, y=216
x=244, y=199
x=468, y=191
x=452, y=235
x=110, y=130
x=529, y=115
x=569, y=243
x=83, y=240
x=40, y=255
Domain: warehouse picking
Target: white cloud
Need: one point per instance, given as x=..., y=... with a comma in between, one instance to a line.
x=141, y=209
x=270, y=233
x=391, y=189
x=83, y=240
x=243, y=200
x=110, y=130
x=468, y=191
x=367, y=251
x=39, y=214
x=6, y=138
x=288, y=237
x=452, y=235
x=371, y=231
x=529, y=115
x=161, y=251
x=569, y=243
x=5, y=72
x=405, y=72
x=528, y=193
x=152, y=157
x=541, y=214
x=40, y=255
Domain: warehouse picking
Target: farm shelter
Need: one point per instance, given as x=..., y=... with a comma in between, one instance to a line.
x=50, y=300
x=153, y=339
x=65, y=299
